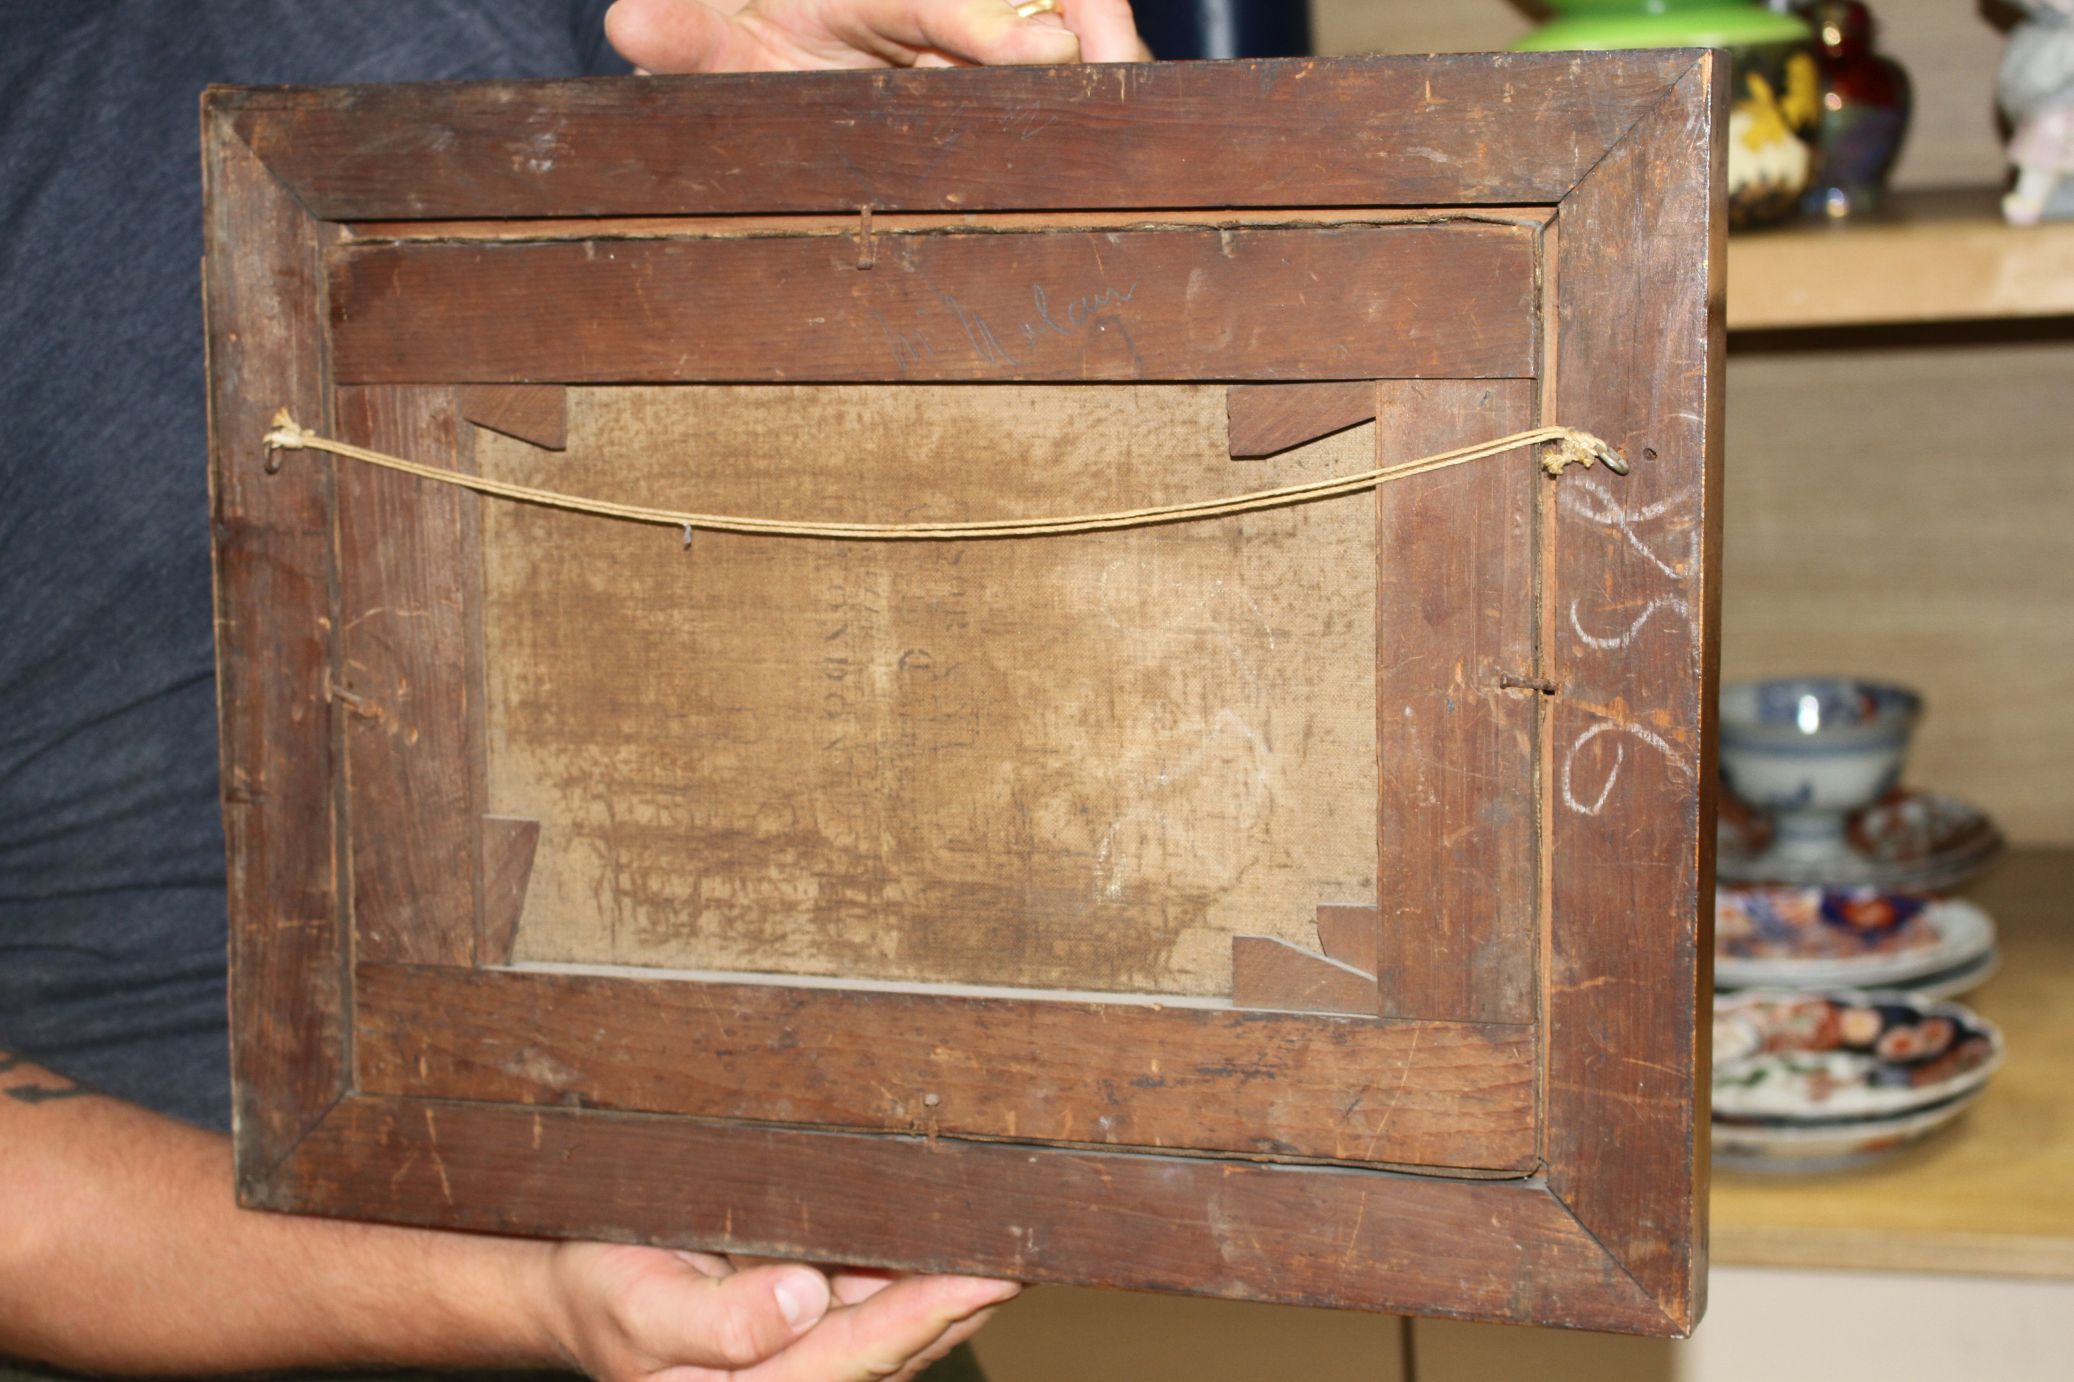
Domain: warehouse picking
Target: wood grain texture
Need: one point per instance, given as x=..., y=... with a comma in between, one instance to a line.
x=405, y=582
x=1080, y=762
x=1633, y=569
x=848, y=226
x=1266, y=418
x=536, y=413
x=275, y=621
x=1613, y=1237
x=1484, y=130
x=1308, y=1235
x=1186, y=302
x=1456, y=612
x=1027, y=1069
x=1347, y=933
x=1270, y=973
x=1958, y=259
x=508, y=845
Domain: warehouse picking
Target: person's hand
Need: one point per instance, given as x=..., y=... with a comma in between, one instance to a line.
x=783, y=35
x=630, y=1314
x=123, y=1251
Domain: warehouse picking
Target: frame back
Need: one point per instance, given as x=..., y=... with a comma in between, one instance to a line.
x=1306, y=905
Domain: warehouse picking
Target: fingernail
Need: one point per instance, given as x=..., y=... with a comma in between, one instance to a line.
x=793, y=1297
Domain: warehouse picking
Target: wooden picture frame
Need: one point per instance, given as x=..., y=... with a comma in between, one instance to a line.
x=1481, y=1095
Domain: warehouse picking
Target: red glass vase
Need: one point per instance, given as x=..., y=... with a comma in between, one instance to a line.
x=1865, y=107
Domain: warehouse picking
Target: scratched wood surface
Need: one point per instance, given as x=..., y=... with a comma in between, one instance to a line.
x=405, y=595
x=852, y=224
x=1181, y=302
x=1207, y=1078
x=1479, y=129
x=1633, y=572
x=1459, y=934
x=1076, y=762
x=274, y=622
x=1618, y=323
x=1310, y=1235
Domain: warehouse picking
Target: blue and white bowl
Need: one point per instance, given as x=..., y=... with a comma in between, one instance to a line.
x=1809, y=751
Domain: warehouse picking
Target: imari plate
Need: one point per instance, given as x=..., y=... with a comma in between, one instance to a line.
x=1805, y=937
x=1794, y=1059
x=1829, y=1146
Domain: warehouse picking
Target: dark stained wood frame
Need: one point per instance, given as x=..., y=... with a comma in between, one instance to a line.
x=1614, y=163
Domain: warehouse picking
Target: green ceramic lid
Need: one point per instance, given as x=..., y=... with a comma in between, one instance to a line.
x=1662, y=24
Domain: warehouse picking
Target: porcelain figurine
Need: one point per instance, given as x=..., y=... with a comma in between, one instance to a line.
x=2036, y=89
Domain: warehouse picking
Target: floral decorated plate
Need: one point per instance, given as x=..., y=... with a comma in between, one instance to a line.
x=1841, y=937
x=1909, y=841
x=1951, y=983
x=1794, y=1059
x=1828, y=1146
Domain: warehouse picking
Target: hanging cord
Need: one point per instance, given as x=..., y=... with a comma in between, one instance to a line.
x=1566, y=447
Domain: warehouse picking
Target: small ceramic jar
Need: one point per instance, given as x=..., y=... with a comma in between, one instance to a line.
x=1865, y=108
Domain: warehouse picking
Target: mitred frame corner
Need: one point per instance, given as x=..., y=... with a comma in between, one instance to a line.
x=1623, y=152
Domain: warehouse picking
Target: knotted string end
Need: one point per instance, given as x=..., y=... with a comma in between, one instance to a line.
x=1581, y=448
x=287, y=435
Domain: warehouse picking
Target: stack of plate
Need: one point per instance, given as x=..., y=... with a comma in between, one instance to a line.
x=1815, y=1081
x=1907, y=841
x=1817, y=938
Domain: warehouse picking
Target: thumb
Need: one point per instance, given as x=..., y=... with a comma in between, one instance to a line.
x=672, y=36
x=892, y=1334
x=1107, y=31
x=733, y=1321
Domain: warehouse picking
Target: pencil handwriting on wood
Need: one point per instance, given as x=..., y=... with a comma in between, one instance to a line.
x=1079, y=312
x=1072, y=315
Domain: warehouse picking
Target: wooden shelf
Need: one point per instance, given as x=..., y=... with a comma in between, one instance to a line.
x=1993, y=1194
x=1928, y=256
